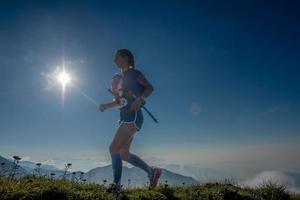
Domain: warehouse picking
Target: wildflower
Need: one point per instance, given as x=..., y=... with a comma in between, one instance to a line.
x=17, y=158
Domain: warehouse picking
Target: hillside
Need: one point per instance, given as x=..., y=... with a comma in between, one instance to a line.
x=36, y=188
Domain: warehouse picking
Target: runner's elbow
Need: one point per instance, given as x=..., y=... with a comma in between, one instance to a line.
x=151, y=88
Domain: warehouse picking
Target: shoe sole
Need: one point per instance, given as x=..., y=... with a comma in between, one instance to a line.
x=156, y=176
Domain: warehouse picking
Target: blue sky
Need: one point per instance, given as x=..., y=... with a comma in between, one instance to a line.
x=225, y=76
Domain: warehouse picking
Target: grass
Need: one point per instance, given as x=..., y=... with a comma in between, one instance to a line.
x=40, y=188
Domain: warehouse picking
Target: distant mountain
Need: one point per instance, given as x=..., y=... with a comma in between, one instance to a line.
x=28, y=168
x=45, y=170
x=201, y=174
x=32, y=165
x=137, y=176
x=6, y=167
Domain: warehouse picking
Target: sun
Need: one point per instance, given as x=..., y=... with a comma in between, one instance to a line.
x=63, y=78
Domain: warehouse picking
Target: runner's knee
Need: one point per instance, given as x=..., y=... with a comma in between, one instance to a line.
x=124, y=154
x=121, y=138
x=113, y=148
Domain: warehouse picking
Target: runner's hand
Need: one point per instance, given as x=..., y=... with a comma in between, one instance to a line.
x=102, y=107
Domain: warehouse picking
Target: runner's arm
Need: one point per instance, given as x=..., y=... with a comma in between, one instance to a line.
x=112, y=104
x=149, y=87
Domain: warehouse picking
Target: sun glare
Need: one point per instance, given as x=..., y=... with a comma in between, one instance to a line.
x=63, y=78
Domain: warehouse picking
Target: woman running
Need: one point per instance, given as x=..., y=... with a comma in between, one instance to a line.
x=135, y=88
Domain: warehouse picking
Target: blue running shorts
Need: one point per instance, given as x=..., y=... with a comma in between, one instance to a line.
x=127, y=116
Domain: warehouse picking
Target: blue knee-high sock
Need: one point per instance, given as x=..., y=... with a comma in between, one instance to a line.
x=138, y=162
x=117, y=168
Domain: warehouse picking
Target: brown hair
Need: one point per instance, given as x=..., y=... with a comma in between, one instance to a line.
x=126, y=52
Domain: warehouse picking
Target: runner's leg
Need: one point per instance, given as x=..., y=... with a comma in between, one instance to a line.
x=124, y=133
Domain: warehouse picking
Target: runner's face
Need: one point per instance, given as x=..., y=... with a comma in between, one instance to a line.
x=120, y=61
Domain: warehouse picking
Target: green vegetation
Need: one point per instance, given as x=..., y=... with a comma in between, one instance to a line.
x=40, y=188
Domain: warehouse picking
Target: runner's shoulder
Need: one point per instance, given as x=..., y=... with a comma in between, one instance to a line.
x=137, y=72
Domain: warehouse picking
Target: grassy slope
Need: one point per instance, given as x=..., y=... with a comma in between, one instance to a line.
x=43, y=188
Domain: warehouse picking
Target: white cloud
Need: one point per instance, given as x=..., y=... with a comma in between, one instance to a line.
x=276, y=177
x=25, y=158
x=102, y=163
x=48, y=162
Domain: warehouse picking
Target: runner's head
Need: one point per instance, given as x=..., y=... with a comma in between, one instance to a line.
x=124, y=58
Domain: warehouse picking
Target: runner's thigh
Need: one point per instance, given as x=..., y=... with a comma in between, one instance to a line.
x=123, y=135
